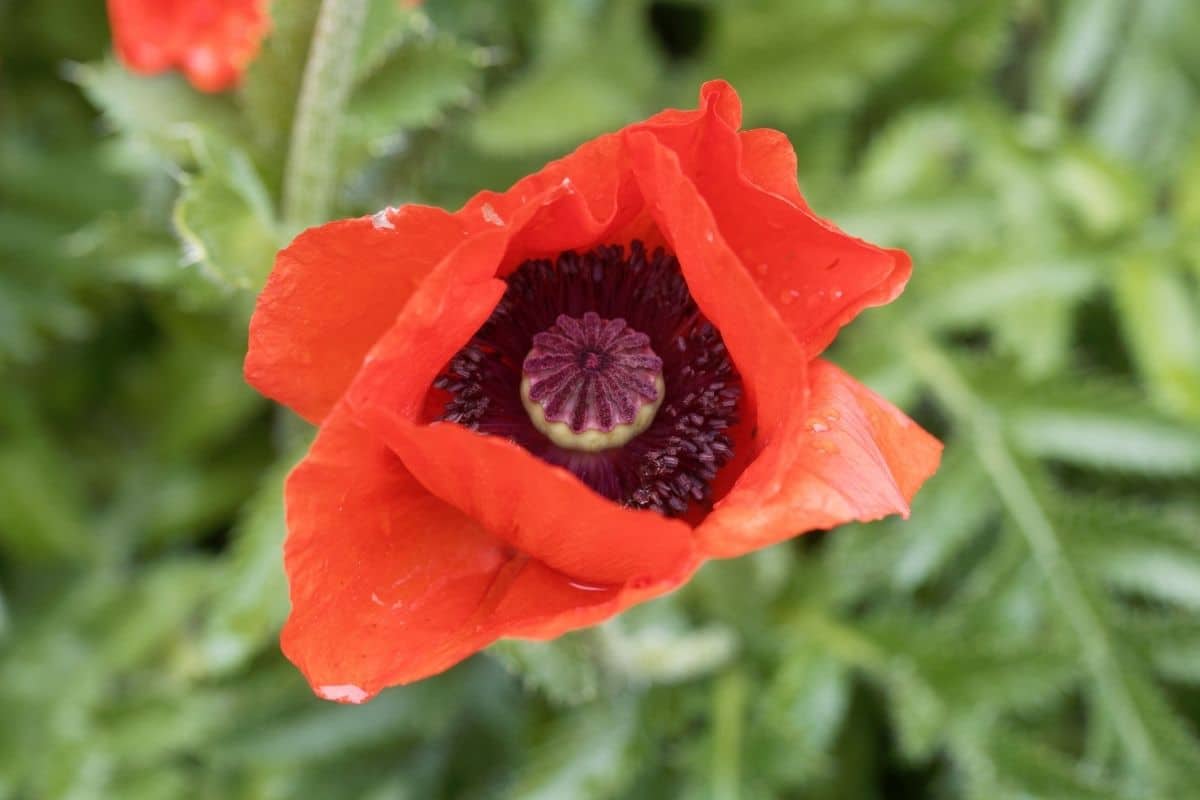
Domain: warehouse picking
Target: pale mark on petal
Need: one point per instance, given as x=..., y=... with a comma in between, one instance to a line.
x=343, y=693
x=381, y=220
x=490, y=216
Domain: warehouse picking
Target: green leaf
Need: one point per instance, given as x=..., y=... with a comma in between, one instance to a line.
x=568, y=670
x=594, y=75
x=42, y=513
x=251, y=603
x=1160, y=317
x=225, y=217
x=588, y=755
x=975, y=290
x=1104, y=198
x=1025, y=769
x=1082, y=46
x=414, y=87
x=1136, y=548
x=799, y=713
x=831, y=53
x=1106, y=440
x=659, y=652
x=324, y=730
x=1093, y=423
x=162, y=111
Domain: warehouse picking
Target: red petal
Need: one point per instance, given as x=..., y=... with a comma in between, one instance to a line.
x=333, y=292
x=769, y=161
x=796, y=481
x=210, y=40
x=390, y=584
x=852, y=456
x=541, y=510
x=815, y=276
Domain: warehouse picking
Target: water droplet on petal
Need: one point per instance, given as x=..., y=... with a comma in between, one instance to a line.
x=817, y=426
x=837, y=294
x=709, y=235
x=762, y=270
x=788, y=297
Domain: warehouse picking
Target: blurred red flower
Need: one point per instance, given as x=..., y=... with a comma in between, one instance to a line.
x=668, y=272
x=211, y=41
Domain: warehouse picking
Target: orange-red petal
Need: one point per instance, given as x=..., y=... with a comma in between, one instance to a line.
x=541, y=510
x=334, y=291
x=212, y=41
x=389, y=584
x=769, y=161
x=849, y=456
x=817, y=277
x=795, y=480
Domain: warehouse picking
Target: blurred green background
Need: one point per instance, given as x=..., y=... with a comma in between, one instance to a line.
x=1031, y=632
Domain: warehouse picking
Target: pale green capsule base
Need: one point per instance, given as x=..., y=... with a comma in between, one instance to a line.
x=591, y=441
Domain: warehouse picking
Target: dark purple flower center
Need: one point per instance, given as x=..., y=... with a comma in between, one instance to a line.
x=601, y=362
x=591, y=384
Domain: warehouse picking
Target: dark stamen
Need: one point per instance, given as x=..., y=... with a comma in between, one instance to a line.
x=557, y=326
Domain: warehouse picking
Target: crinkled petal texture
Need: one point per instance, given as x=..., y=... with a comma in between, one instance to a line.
x=413, y=543
x=211, y=41
x=391, y=583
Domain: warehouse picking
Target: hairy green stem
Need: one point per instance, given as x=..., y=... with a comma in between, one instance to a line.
x=980, y=424
x=312, y=169
x=729, y=711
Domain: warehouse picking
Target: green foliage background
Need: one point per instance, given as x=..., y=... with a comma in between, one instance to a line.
x=1031, y=632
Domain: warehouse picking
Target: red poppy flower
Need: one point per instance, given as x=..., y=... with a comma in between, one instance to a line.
x=212, y=41
x=560, y=400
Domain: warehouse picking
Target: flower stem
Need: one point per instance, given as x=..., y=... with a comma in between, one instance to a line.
x=729, y=711
x=312, y=164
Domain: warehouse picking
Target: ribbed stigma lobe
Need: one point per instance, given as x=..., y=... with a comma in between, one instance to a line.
x=592, y=373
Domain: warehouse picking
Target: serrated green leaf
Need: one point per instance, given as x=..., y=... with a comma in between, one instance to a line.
x=976, y=290
x=567, y=670
x=1107, y=441
x=658, y=653
x=799, y=714
x=832, y=53
x=163, y=110
x=225, y=217
x=587, y=755
x=1136, y=549
x=594, y=74
x=1095, y=424
x=413, y=87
